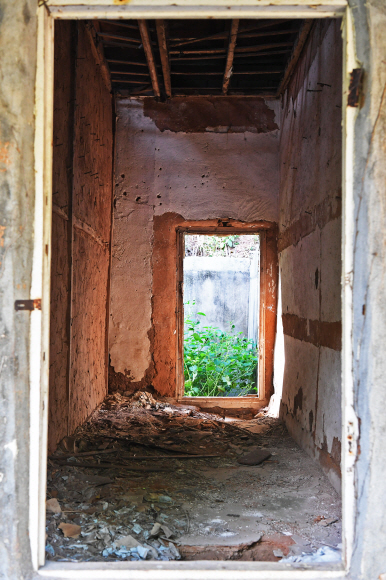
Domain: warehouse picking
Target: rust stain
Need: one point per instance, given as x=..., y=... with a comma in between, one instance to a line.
x=211, y=114
x=317, y=332
x=4, y=156
x=2, y=230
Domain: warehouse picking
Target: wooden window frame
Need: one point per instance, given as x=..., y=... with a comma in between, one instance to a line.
x=47, y=12
x=267, y=308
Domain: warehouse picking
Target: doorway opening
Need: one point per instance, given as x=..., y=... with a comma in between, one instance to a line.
x=138, y=300
x=221, y=315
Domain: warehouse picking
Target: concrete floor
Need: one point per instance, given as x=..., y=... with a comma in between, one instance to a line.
x=210, y=508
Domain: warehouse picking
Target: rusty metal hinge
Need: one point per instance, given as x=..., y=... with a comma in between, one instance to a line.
x=28, y=304
x=354, y=90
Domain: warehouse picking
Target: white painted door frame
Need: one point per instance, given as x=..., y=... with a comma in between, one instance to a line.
x=48, y=11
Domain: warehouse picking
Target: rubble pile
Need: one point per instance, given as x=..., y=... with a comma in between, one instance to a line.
x=144, y=479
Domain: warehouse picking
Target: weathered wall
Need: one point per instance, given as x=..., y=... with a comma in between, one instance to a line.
x=62, y=172
x=219, y=286
x=17, y=197
x=195, y=173
x=310, y=248
x=369, y=292
x=82, y=190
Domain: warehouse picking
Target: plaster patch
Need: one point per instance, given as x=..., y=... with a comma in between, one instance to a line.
x=12, y=446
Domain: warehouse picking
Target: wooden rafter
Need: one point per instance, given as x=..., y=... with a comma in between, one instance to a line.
x=230, y=55
x=149, y=56
x=119, y=37
x=298, y=47
x=163, y=51
x=220, y=35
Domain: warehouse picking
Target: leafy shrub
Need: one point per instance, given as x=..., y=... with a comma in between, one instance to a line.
x=218, y=363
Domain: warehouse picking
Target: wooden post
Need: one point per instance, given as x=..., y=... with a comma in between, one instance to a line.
x=149, y=56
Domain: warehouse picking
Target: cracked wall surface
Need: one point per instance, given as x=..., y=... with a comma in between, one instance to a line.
x=310, y=248
x=195, y=175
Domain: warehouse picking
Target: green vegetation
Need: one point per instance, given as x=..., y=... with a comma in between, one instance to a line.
x=233, y=245
x=217, y=363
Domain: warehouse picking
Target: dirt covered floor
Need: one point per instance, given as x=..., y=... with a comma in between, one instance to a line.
x=144, y=479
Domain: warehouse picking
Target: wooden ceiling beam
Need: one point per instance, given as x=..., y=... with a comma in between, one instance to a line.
x=230, y=55
x=296, y=52
x=132, y=62
x=143, y=28
x=119, y=37
x=163, y=51
x=220, y=35
x=128, y=82
x=134, y=74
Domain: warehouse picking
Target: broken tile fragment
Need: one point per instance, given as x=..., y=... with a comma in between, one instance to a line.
x=167, y=531
x=70, y=530
x=137, y=529
x=128, y=542
x=156, y=529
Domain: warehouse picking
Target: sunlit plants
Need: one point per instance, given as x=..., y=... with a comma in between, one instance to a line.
x=217, y=363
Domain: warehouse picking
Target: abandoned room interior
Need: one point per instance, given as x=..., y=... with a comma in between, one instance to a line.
x=165, y=129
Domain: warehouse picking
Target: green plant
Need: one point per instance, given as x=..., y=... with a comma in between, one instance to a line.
x=218, y=245
x=217, y=363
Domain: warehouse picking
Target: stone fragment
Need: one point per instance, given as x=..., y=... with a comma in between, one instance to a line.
x=254, y=457
x=167, y=531
x=174, y=551
x=156, y=529
x=52, y=505
x=328, y=522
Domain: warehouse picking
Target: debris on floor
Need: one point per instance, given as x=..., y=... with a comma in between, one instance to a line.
x=144, y=479
x=325, y=555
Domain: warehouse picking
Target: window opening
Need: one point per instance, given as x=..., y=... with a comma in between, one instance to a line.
x=221, y=315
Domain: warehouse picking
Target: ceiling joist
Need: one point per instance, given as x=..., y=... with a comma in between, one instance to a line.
x=143, y=29
x=163, y=51
x=230, y=55
x=164, y=58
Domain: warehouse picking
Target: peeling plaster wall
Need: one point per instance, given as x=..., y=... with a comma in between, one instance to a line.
x=17, y=199
x=310, y=248
x=227, y=169
x=369, y=292
x=82, y=212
